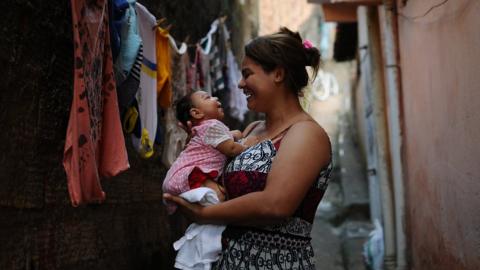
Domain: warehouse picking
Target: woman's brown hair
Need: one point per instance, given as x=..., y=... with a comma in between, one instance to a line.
x=285, y=49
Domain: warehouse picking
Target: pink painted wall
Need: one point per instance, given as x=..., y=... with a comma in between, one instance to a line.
x=440, y=65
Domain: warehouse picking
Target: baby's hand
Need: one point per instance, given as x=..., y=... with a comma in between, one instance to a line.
x=237, y=134
x=250, y=141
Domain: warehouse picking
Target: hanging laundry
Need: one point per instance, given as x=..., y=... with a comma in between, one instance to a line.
x=127, y=90
x=218, y=59
x=194, y=73
x=147, y=93
x=164, y=72
x=175, y=138
x=130, y=39
x=94, y=144
x=204, y=63
x=237, y=100
x=179, y=64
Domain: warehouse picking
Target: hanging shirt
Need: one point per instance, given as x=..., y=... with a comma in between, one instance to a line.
x=237, y=100
x=164, y=73
x=147, y=93
x=130, y=39
x=94, y=145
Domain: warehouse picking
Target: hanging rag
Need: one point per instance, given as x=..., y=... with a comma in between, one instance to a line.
x=94, y=144
x=147, y=94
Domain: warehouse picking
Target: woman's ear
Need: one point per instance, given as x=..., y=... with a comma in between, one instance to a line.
x=279, y=74
x=196, y=114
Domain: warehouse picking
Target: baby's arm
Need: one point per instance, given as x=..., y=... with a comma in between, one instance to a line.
x=230, y=148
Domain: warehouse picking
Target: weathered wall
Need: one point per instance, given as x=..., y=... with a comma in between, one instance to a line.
x=39, y=229
x=440, y=57
x=290, y=13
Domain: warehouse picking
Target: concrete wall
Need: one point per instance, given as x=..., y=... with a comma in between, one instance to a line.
x=440, y=56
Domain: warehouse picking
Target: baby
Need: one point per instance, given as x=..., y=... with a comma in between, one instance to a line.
x=203, y=159
x=194, y=175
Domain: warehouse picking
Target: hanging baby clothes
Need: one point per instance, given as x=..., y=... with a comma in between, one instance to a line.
x=237, y=100
x=147, y=93
x=164, y=73
x=94, y=144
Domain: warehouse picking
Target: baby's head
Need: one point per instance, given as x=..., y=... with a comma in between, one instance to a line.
x=198, y=106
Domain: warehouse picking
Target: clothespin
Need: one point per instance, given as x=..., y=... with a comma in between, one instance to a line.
x=159, y=23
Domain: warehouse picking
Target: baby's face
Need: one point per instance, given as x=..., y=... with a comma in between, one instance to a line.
x=209, y=106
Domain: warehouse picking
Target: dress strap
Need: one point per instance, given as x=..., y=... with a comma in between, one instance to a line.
x=252, y=127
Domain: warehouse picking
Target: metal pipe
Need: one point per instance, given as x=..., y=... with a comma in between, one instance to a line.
x=382, y=139
x=388, y=31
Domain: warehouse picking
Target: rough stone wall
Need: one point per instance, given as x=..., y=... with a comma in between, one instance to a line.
x=39, y=229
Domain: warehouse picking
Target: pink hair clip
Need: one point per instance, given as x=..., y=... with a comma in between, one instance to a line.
x=307, y=44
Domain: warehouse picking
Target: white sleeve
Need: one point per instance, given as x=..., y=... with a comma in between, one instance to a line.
x=216, y=134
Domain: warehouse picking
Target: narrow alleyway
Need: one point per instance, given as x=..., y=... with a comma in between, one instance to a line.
x=342, y=223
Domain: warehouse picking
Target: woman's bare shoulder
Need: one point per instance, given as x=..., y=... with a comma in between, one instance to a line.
x=309, y=135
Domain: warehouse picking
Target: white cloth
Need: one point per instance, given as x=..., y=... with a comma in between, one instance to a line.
x=201, y=244
x=147, y=93
x=238, y=100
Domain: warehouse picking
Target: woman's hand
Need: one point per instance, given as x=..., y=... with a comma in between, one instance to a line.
x=192, y=211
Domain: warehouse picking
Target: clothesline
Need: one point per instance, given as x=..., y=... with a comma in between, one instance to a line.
x=143, y=72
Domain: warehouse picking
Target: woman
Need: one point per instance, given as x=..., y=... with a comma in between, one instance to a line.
x=274, y=187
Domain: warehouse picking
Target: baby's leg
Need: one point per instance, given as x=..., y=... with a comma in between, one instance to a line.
x=216, y=187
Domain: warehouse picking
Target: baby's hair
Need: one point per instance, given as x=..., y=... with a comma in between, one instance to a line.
x=183, y=107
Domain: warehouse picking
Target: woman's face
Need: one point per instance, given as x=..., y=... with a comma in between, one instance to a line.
x=257, y=85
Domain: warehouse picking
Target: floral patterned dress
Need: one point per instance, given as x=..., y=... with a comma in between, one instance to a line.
x=282, y=246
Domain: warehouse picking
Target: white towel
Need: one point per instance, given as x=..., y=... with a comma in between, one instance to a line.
x=201, y=244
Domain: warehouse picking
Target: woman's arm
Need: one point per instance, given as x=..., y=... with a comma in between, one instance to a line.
x=304, y=151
